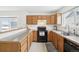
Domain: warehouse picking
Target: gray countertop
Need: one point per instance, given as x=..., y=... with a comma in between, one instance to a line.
x=73, y=38
x=20, y=36
x=16, y=37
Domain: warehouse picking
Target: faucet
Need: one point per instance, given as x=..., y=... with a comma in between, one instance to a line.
x=74, y=31
x=68, y=29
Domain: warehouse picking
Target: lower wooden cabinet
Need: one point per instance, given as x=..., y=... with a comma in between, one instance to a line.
x=54, y=40
x=58, y=41
x=29, y=41
x=49, y=36
x=60, y=45
x=24, y=45
x=19, y=46
x=34, y=36
x=8, y=46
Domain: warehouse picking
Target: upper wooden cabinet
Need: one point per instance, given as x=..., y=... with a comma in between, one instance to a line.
x=29, y=19
x=51, y=19
x=34, y=19
x=58, y=18
x=44, y=17
x=39, y=17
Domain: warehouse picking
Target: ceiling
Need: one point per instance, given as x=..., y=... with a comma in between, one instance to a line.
x=31, y=9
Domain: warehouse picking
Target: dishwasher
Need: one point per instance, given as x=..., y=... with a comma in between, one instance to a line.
x=70, y=46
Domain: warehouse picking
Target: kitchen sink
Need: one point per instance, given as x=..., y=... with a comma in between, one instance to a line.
x=66, y=34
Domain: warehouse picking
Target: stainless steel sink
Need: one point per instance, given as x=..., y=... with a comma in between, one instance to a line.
x=66, y=33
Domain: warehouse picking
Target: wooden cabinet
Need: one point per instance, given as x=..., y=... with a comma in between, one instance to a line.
x=19, y=46
x=49, y=36
x=57, y=40
x=8, y=46
x=35, y=36
x=60, y=43
x=54, y=40
x=52, y=19
x=57, y=18
x=34, y=19
x=29, y=19
x=24, y=45
x=48, y=20
x=39, y=17
x=32, y=37
x=29, y=41
x=44, y=17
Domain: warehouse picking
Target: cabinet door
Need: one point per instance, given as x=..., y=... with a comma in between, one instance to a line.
x=39, y=17
x=35, y=36
x=29, y=42
x=34, y=19
x=29, y=20
x=55, y=39
x=44, y=17
x=52, y=20
x=59, y=18
x=24, y=46
x=60, y=46
x=55, y=19
x=48, y=20
x=50, y=36
x=32, y=36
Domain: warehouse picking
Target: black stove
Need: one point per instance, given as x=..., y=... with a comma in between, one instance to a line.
x=42, y=34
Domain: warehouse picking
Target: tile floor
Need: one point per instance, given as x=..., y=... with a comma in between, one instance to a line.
x=42, y=47
x=38, y=47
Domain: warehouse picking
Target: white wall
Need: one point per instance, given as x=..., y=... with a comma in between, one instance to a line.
x=66, y=9
x=39, y=14
x=21, y=16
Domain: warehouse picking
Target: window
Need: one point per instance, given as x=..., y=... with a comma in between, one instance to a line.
x=7, y=23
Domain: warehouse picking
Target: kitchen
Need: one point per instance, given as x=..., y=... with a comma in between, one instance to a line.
x=39, y=29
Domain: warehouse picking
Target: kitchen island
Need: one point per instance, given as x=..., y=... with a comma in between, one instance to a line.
x=16, y=42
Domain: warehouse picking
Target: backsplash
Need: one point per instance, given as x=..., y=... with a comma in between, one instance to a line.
x=34, y=27
x=68, y=28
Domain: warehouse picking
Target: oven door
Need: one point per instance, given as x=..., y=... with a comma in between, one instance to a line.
x=41, y=33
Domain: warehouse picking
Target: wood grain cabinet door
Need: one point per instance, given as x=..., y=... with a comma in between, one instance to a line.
x=34, y=19
x=50, y=36
x=44, y=17
x=52, y=20
x=60, y=46
x=29, y=20
x=39, y=17
x=29, y=42
x=55, y=40
x=48, y=20
x=24, y=47
x=35, y=36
